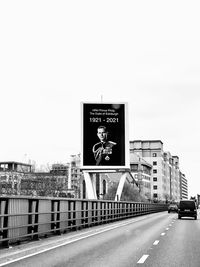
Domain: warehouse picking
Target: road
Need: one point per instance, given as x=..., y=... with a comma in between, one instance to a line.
x=152, y=240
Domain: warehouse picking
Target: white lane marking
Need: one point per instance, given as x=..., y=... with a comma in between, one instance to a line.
x=69, y=241
x=167, y=228
x=79, y=235
x=143, y=259
x=163, y=234
x=156, y=242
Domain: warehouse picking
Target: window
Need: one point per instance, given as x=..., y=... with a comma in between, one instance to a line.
x=155, y=187
x=154, y=162
x=134, y=167
x=155, y=179
x=155, y=195
x=154, y=154
x=154, y=171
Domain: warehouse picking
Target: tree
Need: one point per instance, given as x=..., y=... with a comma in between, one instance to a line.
x=43, y=185
x=148, y=196
x=166, y=197
x=129, y=193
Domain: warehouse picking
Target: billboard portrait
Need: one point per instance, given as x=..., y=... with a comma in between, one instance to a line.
x=104, y=136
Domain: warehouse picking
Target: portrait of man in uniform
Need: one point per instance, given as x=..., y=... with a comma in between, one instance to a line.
x=104, y=151
x=104, y=136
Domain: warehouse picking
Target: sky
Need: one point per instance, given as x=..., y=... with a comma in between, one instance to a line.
x=56, y=54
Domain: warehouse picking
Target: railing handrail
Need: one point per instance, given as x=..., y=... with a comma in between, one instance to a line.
x=24, y=217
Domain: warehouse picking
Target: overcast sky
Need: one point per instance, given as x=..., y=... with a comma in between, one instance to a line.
x=55, y=54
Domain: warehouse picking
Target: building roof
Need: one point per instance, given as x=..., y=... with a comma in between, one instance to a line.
x=15, y=162
x=147, y=141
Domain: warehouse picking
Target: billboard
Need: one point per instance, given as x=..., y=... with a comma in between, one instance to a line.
x=105, y=142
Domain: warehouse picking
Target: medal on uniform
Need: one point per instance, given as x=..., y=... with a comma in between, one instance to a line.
x=106, y=151
x=107, y=157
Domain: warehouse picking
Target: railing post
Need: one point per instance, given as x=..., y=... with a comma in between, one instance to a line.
x=4, y=221
x=33, y=205
x=55, y=215
x=72, y=215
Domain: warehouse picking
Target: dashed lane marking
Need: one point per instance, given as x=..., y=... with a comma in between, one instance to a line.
x=143, y=259
x=156, y=242
x=162, y=233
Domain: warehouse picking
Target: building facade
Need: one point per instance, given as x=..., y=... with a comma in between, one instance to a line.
x=165, y=173
x=141, y=171
x=12, y=174
x=75, y=176
x=183, y=186
x=17, y=178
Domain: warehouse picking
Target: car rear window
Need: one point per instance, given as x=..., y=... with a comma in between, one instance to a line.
x=187, y=205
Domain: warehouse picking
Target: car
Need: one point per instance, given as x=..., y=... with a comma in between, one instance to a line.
x=187, y=208
x=172, y=207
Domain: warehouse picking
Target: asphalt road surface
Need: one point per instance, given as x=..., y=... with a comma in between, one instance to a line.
x=152, y=240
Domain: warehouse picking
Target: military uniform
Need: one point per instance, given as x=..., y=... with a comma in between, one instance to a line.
x=103, y=153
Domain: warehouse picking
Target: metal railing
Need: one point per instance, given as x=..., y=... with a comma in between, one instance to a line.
x=23, y=218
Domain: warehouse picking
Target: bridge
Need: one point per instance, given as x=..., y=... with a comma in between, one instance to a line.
x=94, y=233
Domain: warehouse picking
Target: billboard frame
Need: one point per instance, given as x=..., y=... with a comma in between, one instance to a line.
x=126, y=153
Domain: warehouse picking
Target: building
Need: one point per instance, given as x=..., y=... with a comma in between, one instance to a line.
x=72, y=173
x=59, y=168
x=171, y=176
x=17, y=178
x=75, y=176
x=165, y=174
x=44, y=184
x=18, y=167
x=11, y=175
x=175, y=179
x=141, y=171
x=183, y=187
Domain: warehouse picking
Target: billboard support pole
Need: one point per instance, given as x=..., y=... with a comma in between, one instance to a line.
x=120, y=187
x=90, y=187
